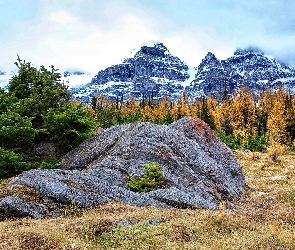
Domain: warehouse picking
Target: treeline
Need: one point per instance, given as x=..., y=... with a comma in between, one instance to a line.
x=243, y=120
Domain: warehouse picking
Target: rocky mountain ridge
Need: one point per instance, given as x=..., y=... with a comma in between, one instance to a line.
x=152, y=70
x=249, y=67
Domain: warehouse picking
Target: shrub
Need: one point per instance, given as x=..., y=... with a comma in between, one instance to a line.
x=16, y=131
x=293, y=146
x=256, y=143
x=11, y=163
x=253, y=143
x=233, y=142
x=276, y=150
x=153, y=178
x=37, y=108
x=50, y=162
x=69, y=125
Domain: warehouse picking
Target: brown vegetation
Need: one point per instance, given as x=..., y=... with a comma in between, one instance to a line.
x=263, y=219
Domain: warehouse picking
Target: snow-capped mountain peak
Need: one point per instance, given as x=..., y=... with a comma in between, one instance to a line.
x=149, y=70
x=152, y=48
x=210, y=56
x=249, y=67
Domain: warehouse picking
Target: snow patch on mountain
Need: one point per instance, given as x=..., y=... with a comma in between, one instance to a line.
x=192, y=75
x=284, y=80
x=4, y=80
x=76, y=80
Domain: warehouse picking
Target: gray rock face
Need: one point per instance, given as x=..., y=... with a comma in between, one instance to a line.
x=13, y=206
x=45, y=149
x=199, y=169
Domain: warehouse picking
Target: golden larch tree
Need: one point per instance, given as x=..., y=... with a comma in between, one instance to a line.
x=277, y=125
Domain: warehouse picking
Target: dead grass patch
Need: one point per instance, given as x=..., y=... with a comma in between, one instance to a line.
x=263, y=219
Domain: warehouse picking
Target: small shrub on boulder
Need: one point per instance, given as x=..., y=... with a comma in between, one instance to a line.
x=147, y=183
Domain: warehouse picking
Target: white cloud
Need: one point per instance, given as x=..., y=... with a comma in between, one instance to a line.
x=66, y=39
x=63, y=18
x=94, y=34
x=92, y=47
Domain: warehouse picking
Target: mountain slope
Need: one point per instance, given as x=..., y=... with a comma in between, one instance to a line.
x=152, y=70
x=248, y=67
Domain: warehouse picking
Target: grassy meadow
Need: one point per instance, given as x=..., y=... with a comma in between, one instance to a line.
x=263, y=219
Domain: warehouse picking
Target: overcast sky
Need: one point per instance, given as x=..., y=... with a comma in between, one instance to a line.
x=94, y=34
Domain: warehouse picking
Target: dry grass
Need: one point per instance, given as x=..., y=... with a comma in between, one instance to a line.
x=263, y=219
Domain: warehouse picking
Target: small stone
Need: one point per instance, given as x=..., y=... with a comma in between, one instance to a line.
x=123, y=223
x=156, y=222
x=261, y=205
x=270, y=199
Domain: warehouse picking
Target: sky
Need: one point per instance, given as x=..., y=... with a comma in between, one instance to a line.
x=91, y=35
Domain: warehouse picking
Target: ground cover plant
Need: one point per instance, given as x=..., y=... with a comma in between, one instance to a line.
x=150, y=181
x=263, y=219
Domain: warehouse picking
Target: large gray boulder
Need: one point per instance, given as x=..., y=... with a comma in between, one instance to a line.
x=199, y=169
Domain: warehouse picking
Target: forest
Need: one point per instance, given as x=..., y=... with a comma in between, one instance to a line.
x=242, y=121
x=37, y=108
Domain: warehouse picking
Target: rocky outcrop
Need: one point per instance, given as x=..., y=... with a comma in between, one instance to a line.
x=16, y=207
x=199, y=169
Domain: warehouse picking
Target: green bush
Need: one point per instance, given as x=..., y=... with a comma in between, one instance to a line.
x=69, y=125
x=253, y=143
x=233, y=142
x=256, y=143
x=16, y=130
x=49, y=162
x=132, y=117
x=153, y=178
x=36, y=108
x=11, y=163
